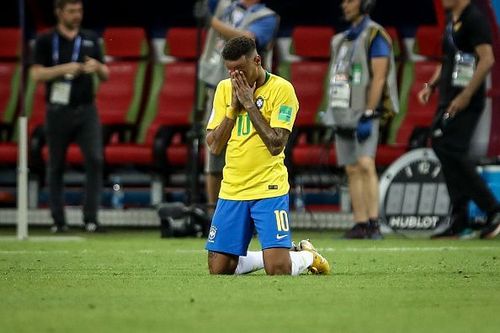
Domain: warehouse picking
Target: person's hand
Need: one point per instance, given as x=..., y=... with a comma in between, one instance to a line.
x=364, y=129
x=72, y=69
x=201, y=12
x=91, y=65
x=243, y=90
x=236, y=106
x=425, y=94
x=458, y=104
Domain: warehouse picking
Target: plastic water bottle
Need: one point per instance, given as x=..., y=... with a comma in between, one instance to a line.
x=300, y=206
x=117, y=194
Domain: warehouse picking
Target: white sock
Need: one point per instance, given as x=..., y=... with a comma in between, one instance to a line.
x=300, y=261
x=253, y=261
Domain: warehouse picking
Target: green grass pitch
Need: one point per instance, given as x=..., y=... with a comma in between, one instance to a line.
x=137, y=282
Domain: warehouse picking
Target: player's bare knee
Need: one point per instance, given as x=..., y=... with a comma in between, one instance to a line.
x=353, y=170
x=281, y=267
x=366, y=166
x=219, y=264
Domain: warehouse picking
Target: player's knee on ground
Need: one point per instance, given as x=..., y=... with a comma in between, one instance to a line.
x=277, y=262
x=221, y=264
x=278, y=268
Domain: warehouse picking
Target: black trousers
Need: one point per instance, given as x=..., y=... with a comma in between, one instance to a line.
x=65, y=124
x=452, y=149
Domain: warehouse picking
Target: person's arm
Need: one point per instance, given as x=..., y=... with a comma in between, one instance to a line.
x=91, y=66
x=94, y=63
x=425, y=94
x=43, y=74
x=222, y=120
x=275, y=138
x=228, y=31
x=217, y=139
x=379, y=67
x=484, y=65
x=380, y=53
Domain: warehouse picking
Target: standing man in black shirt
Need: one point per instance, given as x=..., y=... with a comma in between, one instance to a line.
x=468, y=59
x=66, y=58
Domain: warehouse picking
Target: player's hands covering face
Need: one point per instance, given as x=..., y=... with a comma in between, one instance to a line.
x=243, y=90
x=235, y=102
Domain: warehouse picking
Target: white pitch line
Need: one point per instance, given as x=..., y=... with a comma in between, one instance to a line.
x=411, y=249
x=34, y=252
x=386, y=249
x=44, y=239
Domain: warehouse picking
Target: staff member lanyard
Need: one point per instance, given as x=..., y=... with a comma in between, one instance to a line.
x=449, y=35
x=55, y=48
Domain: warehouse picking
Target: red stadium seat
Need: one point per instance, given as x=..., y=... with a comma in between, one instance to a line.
x=167, y=111
x=414, y=114
x=9, y=90
x=10, y=39
x=173, y=102
x=428, y=41
x=119, y=99
x=125, y=42
x=312, y=44
x=10, y=75
x=8, y=153
x=182, y=42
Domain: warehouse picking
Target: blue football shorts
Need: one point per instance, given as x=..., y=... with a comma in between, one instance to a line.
x=234, y=222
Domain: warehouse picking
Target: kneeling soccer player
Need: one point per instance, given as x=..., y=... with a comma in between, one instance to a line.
x=253, y=115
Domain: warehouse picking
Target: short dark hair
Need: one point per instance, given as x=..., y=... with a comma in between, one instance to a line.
x=237, y=47
x=60, y=4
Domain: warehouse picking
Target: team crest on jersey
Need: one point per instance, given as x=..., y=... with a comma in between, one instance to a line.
x=212, y=233
x=259, y=102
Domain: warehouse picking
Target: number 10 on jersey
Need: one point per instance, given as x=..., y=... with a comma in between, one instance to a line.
x=282, y=220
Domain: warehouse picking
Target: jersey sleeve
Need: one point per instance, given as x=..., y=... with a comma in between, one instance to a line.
x=285, y=108
x=219, y=107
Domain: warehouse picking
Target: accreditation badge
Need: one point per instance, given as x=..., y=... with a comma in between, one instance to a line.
x=340, y=92
x=61, y=93
x=463, y=71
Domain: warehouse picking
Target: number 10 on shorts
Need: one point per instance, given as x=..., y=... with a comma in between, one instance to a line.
x=282, y=220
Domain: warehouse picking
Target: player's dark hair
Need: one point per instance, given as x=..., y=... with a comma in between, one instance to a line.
x=237, y=47
x=60, y=4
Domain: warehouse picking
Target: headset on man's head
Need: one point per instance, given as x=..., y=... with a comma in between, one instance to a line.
x=367, y=6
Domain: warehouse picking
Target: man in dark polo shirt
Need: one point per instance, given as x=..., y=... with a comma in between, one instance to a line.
x=66, y=58
x=468, y=59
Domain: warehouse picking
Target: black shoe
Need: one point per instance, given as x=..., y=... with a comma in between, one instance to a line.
x=359, y=231
x=374, y=230
x=492, y=228
x=59, y=228
x=458, y=223
x=94, y=227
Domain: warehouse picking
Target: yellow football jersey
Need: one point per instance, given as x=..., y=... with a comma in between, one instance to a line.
x=251, y=172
